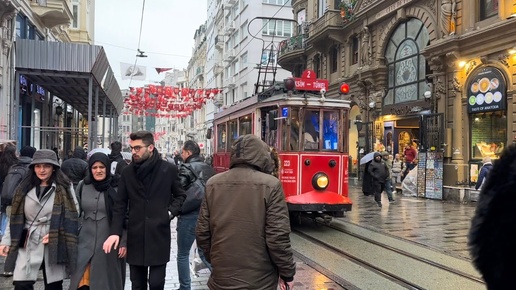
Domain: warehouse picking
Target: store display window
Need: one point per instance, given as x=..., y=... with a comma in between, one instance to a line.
x=488, y=134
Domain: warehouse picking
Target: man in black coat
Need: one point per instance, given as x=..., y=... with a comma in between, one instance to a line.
x=379, y=172
x=116, y=160
x=192, y=169
x=150, y=189
x=492, y=237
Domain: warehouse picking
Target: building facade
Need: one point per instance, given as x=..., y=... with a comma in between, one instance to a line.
x=195, y=124
x=37, y=20
x=437, y=74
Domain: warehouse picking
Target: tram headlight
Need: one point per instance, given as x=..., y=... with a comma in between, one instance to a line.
x=320, y=181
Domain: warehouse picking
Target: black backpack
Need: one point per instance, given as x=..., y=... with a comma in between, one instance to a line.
x=14, y=177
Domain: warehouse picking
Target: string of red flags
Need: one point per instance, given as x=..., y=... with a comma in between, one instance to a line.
x=166, y=101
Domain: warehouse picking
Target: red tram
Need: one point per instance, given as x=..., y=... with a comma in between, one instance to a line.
x=309, y=132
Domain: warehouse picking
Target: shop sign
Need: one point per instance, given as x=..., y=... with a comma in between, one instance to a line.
x=486, y=91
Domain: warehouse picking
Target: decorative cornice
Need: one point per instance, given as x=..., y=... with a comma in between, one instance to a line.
x=440, y=89
x=503, y=59
x=431, y=5
x=456, y=86
x=437, y=64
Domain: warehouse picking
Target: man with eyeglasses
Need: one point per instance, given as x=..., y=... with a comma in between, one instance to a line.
x=149, y=188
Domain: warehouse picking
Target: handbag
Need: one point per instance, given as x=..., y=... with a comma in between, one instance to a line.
x=22, y=243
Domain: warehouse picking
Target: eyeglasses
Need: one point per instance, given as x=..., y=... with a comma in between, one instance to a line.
x=136, y=148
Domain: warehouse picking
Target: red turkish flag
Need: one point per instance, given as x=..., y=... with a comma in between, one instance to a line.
x=162, y=69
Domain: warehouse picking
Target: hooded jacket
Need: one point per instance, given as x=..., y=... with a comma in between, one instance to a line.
x=492, y=236
x=76, y=168
x=244, y=214
x=378, y=169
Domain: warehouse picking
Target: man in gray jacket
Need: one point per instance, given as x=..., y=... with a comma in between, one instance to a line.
x=244, y=214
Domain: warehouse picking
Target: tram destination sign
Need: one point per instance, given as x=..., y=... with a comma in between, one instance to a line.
x=309, y=82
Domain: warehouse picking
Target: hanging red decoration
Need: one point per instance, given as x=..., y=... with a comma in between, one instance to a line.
x=167, y=101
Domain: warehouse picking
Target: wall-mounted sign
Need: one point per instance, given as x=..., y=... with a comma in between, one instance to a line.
x=487, y=91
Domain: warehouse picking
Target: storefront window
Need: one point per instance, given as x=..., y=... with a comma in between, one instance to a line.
x=221, y=137
x=245, y=124
x=488, y=134
x=406, y=66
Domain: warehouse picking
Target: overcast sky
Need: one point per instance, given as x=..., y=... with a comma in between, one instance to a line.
x=167, y=33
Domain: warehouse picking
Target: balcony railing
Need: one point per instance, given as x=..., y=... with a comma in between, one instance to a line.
x=330, y=19
x=292, y=44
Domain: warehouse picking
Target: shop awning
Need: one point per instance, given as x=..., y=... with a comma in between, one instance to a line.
x=65, y=70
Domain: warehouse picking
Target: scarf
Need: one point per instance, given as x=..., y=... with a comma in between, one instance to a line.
x=100, y=186
x=62, y=244
x=144, y=170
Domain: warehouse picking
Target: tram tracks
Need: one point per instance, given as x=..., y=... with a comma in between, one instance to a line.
x=363, y=259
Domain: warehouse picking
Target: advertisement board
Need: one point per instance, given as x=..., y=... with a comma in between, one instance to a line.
x=486, y=91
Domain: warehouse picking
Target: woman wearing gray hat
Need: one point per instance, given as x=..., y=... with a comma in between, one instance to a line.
x=42, y=231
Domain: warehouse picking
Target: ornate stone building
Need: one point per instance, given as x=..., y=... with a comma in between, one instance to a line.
x=437, y=74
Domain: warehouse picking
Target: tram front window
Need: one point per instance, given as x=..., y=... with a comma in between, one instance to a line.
x=331, y=130
x=311, y=130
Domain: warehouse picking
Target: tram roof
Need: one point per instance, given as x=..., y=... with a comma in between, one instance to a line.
x=64, y=69
x=283, y=99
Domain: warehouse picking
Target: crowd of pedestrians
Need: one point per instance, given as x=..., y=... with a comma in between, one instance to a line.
x=84, y=219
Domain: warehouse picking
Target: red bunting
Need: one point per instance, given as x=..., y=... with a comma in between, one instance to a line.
x=167, y=101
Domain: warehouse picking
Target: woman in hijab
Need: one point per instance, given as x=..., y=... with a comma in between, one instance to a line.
x=42, y=231
x=96, y=269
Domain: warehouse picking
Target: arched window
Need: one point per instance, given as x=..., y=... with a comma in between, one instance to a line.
x=407, y=67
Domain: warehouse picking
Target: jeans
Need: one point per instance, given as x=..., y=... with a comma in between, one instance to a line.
x=185, y=238
x=3, y=223
x=388, y=189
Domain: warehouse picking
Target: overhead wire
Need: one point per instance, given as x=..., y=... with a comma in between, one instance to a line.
x=139, y=42
x=148, y=52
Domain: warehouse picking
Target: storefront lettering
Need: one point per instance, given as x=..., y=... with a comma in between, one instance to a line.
x=392, y=8
x=485, y=108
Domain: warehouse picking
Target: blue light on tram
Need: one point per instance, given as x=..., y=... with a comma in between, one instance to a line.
x=284, y=112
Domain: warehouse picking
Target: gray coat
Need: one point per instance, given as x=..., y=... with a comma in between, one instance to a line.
x=107, y=270
x=29, y=259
